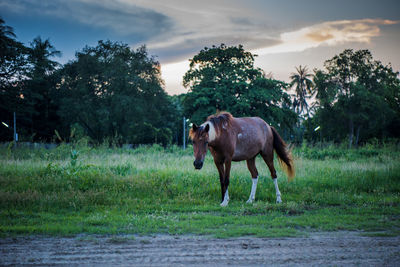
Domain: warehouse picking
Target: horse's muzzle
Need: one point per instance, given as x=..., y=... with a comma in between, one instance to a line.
x=198, y=164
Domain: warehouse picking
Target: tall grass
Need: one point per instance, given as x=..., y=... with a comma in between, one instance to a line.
x=74, y=189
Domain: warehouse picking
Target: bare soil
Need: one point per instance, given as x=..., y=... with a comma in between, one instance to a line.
x=327, y=249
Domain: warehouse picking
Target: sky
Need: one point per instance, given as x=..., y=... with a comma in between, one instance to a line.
x=283, y=33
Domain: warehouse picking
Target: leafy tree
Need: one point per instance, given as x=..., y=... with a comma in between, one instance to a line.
x=116, y=94
x=388, y=83
x=324, y=88
x=301, y=81
x=12, y=69
x=224, y=78
x=356, y=96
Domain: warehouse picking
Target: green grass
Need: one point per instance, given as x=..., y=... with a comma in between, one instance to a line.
x=154, y=190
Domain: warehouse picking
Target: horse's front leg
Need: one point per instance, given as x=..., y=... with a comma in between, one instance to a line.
x=225, y=183
x=221, y=172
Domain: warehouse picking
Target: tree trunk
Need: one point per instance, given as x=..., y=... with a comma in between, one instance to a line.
x=351, y=133
x=357, y=135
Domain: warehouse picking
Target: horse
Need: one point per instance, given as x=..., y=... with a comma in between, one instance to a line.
x=237, y=139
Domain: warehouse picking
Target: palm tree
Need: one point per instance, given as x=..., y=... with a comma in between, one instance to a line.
x=39, y=56
x=12, y=54
x=303, y=86
x=6, y=34
x=39, y=88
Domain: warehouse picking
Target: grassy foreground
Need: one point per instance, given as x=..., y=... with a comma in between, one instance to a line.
x=155, y=190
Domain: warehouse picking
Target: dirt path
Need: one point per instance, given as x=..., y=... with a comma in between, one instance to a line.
x=333, y=249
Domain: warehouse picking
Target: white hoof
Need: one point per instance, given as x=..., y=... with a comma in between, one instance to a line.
x=224, y=204
x=278, y=199
x=249, y=201
x=226, y=199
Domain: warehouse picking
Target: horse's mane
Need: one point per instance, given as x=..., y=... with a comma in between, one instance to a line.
x=221, y=120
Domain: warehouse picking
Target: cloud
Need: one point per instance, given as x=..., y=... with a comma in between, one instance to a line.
x=176, y=30
x=185, y=47
x=329, y=33
x=197, y=24
x=118, y=16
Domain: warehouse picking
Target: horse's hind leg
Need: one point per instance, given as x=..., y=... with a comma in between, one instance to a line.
x=251, y=164
x=269, y=160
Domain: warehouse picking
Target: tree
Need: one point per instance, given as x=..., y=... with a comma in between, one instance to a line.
x=39, y=114
x=356, y=97
x=12, y=68
x=115, y=94
x=324, y=88
x=224, y=78
x=12, y=55
x=301, y=81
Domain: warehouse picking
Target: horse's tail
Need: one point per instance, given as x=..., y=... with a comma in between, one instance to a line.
x=284, y=155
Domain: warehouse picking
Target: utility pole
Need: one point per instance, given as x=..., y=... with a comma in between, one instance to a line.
x=184, y=133
x=320, y=135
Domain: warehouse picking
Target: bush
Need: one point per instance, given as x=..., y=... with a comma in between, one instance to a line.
x=331, y=151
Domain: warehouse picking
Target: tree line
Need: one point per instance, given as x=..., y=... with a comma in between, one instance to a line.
x=113, y=93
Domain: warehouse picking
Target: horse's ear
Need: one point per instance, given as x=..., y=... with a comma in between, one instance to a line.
x=195, y=127
x=207, y=128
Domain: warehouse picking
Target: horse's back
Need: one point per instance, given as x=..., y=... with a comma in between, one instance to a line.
x=251, y=136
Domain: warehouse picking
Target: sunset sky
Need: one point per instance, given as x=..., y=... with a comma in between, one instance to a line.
x=283, y=34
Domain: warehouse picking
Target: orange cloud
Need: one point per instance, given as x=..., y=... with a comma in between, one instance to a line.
x=320, y=36
x=327, y=33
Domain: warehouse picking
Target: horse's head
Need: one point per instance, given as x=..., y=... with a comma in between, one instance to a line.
x=200, y=138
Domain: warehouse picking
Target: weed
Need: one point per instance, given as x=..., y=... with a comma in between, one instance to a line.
x=152, y=189
x=74, y=157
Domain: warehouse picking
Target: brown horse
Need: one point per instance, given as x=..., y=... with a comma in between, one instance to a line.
x=236, y=139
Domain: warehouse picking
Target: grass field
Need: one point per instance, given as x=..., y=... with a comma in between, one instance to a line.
x=67, y=191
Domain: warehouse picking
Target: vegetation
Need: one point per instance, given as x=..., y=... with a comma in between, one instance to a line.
x=301, y=81
x=112, y=93
x=363, y=95
x=71, y=190
x=224, y=78
x=109, y=93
